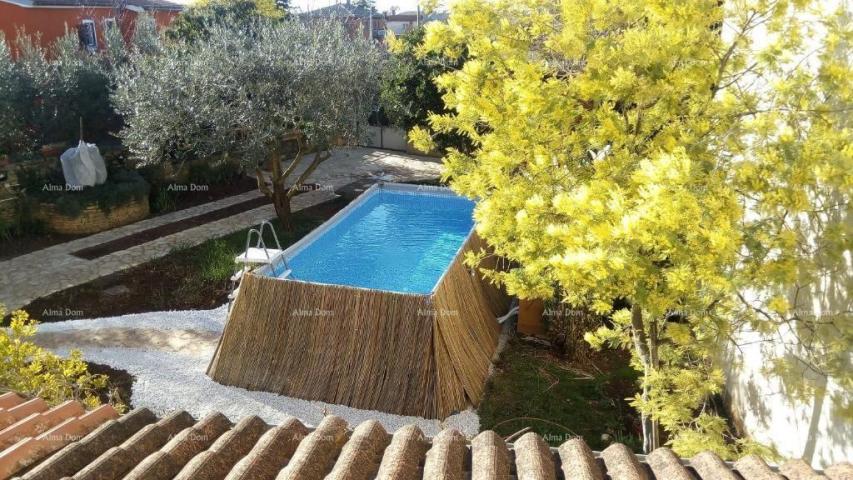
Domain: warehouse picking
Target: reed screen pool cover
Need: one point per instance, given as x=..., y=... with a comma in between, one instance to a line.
x=378, y=311
x=398, y=241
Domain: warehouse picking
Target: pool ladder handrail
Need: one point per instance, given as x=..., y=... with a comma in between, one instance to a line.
x=260, y=244
x=281, y=256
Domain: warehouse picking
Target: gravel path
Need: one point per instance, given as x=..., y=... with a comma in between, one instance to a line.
x=168, y=353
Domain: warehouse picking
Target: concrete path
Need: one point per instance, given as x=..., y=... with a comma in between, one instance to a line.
x=40, y=273
x=189, y=342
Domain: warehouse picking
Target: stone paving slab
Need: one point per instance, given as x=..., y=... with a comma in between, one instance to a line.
x=51, y=272
x=40, y=273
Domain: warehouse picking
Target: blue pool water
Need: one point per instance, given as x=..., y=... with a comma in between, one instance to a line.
x=394, y=241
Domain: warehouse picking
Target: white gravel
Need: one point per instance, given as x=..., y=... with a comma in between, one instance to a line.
x=167, y=381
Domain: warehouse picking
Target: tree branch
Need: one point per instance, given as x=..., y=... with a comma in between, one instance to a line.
x=262, y=182
x=296, y=160
x=319, y=158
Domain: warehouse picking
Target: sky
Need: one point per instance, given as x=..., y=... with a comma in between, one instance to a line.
x=381, y=5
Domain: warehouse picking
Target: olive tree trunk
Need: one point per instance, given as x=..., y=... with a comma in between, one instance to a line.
x=274, y=185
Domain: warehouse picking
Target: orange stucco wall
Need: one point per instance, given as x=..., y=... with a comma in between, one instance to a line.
x=53, y=21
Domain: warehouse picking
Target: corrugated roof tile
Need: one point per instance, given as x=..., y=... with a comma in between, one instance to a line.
x=799, y=470
x=180, y=449
x=533, y=458
x=271, y=453
x=753, y=467
x=32, y=449
x=578, y=461
x=9, y=400
x=665, y=464
x=138, y=446
x=403, y=456
x=117, y=461
x=18, y=412
x=446, y=459
x=226, y=451
x=77, y=455
x=38, y=423
x=316, y=455
x=622, y=464
x=709, y=465
x=360, y=457
x=489, y=457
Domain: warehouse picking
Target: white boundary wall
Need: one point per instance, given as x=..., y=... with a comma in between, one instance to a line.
x=816, y=429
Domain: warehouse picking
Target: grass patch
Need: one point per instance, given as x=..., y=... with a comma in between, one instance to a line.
x=211, y=264
x=533, y=388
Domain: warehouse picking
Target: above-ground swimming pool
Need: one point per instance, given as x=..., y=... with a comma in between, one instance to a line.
x=374, y=309
x=394, y=240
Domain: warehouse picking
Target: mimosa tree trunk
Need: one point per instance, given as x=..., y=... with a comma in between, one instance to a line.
x=646, y=347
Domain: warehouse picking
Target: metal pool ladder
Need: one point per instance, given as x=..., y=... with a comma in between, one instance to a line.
x=258, y=255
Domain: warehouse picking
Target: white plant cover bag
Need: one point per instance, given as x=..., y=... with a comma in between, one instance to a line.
x=83, y=165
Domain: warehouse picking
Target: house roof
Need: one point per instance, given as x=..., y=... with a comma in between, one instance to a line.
x=439, y=15
x=140, y=446
x=342, y=10
x=402, y=17
x=30, y=430
x=143, y=4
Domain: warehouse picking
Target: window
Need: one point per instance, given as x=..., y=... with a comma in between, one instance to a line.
x=88, y=37
x=109, y=23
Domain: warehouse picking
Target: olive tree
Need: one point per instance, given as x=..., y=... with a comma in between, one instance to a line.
x=247, y=94
x=14, y=90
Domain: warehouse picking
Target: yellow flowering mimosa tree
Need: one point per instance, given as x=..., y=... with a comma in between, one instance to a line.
x=692, y=160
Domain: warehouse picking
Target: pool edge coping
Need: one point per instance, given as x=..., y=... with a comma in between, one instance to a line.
x=303, y=242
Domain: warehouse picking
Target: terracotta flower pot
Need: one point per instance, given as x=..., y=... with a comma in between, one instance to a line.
x=530, y=317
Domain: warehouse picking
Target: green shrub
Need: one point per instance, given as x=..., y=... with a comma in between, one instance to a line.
x=34, y=371
x=195, y=23
x=242, y=92
x=205, y=173
x=163, y=200
x=122, y=187
x=47, y=91
x=22, y=222
x=67, y=84
x=14, y=94
x=408, y=93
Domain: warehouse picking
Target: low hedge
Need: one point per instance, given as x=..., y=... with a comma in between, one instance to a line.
x=122, y=187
